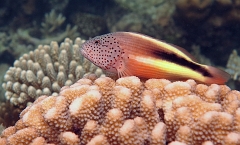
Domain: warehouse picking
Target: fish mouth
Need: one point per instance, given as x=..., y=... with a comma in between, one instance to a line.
x=83, y=52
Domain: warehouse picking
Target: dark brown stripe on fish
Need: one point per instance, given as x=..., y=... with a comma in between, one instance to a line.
x=181, y=61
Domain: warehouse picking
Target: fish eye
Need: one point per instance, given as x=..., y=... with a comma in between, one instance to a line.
x=97, y=42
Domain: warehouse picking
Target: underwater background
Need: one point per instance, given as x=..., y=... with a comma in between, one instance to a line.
x=208, y=29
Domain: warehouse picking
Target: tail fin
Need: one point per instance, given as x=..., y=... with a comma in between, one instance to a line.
x=218, y=76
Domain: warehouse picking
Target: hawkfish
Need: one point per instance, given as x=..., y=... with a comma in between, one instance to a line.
x=128, y=53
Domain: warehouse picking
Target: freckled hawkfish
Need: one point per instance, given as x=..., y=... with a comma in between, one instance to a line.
x=128, y=53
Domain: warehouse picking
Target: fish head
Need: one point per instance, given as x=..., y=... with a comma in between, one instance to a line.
x=104, y=51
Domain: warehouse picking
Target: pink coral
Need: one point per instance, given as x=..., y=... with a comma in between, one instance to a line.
x=128, y=111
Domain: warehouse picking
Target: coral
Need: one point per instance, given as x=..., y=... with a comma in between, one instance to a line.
x=11, y=48
x=210, y=24
x=153, y=18
x=29, y=7
x=196, y=52
x=52, y=22
x=57, y=5
x=128, y=111
x=4, y=41
x=233, y=65
x=1, y=128
x=45, y=70
x=89, y=25
x=50, y=30
x=153, y=8
x=194, y=9
x=4, y=67
x=19, y=13
x=217, y=13
x=9, y=113
x=22, y=40
x=130, y=22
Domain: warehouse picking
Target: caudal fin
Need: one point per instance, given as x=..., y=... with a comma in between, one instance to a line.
x=218, y=76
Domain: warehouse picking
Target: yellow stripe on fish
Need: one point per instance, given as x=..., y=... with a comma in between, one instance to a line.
x=127, y=53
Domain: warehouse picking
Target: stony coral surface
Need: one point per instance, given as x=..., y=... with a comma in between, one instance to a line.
x=128, y=111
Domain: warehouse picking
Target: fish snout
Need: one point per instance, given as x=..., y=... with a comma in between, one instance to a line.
x=83, y=52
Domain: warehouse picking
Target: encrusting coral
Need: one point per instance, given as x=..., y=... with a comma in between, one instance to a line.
x=89, y=25
x=153, y=18
x=102, y=111
x=217, y=13
x=195, y=9
x=45, y=70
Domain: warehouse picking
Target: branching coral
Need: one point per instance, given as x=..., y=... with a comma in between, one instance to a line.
x=49, y=30
x=45, y=70
x=50, y=24
x=128, y=111
x=24, y=40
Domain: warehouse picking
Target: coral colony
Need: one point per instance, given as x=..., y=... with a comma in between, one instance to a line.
x=128, y=111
